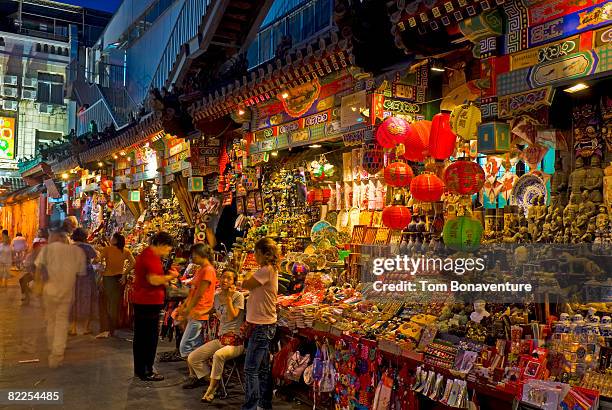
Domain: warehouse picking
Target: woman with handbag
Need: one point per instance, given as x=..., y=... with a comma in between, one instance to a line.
x=229, y=307
x=148, y=295
x=261, y=320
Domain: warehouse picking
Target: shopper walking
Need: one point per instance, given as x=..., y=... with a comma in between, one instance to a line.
x=261, y=317
x=229, y=308
x=20, y=246
x=148, y=300
x=85, y=304
x=6, y=259
x=200, y=300
x=57, y=267
x=119, y=261
x=29, y=265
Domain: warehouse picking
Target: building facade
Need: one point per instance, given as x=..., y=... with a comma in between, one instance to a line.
x=38, y=40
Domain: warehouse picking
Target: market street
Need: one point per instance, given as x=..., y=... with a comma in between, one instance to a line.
x=96, y=373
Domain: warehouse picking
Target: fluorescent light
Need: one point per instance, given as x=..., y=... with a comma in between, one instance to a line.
x=275, y=153
x=575, y=88
x=438, y=69
x=315, y=146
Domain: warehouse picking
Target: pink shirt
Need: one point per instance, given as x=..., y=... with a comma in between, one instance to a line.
x=261, y=304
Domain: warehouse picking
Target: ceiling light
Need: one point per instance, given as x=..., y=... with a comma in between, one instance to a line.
x=275, y=153
x=285, y=95
x=115, y=156
x=438, y=69
x=129, y=158
x=240, y=112
x=65, y=176
x=100, y=164
x=575, y=88
x=437, y=66
x=315, y=146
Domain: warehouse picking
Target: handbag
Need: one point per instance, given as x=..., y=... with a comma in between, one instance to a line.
x=296, y=365
x=327, y=383
x=176, y=293
x=281, y=358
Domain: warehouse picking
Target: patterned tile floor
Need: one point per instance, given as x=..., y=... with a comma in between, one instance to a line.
x=97, y=374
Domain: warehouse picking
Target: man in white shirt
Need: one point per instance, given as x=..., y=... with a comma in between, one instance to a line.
x=57, y=266
x=20, y=246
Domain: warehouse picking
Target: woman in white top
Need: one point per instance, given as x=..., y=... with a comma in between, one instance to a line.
x=261, y=317
x=6, y=259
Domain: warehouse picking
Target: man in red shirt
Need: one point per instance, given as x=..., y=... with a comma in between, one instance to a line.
x=200, y=300
x=148, y=300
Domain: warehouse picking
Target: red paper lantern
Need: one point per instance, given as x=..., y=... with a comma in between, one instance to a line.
x=391, y=132
x=464, y=177
x=326, y=195
x=427, y=188
x=396, y=216
x=398, y=174
x=442, y=139
x=416, y=141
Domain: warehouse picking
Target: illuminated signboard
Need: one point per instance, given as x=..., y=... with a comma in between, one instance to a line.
x=7, y=138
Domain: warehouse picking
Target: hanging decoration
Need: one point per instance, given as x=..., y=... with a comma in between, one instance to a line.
x=392, y=132
x=427, y=188
x=462, y=233
x=442, y=140
x=373, y=159
x=398, y=174
x=321, y=169
x=464, y=177
x=416, y=141
x=396, y=216
x=464, y=121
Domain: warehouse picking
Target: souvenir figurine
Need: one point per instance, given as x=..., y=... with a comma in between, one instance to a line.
x=563, y=325
x=577, y=179
x=558, y=184
x=479, y=312
x=571, y=210
x=577, y=325
x=594, y=180
x=593, y=326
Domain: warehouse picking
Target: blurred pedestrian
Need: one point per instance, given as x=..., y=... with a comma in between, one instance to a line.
x=194, y=311
x=119, y=262
x=29, y=266
x=70, y=224
x=20, y=246
x=261, y=318
x=148, y=299
x=6, y=259
x=57, y=267
x=85, y=304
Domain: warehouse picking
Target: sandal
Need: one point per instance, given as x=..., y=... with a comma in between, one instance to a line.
x=208, y=398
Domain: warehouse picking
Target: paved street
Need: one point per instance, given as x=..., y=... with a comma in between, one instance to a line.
x=97, y=374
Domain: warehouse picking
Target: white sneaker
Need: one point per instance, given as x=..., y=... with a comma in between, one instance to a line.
x=103, y=335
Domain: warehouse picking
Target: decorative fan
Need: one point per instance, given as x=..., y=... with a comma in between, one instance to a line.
x=526, y=190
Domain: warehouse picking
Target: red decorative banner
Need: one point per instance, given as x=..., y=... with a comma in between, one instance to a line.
x=552, y=9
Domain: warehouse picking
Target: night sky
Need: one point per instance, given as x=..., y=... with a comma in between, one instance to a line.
x=106, y=5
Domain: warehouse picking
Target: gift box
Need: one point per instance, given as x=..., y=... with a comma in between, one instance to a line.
x=493, y=137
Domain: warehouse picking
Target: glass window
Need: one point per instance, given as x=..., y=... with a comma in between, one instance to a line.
x=308, y=21
x=323, y=14
x=253, y=53
x=279, y=32
x=294, y=27
x=265, y=45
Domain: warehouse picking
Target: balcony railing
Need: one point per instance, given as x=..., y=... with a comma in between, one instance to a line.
x=186, y=27
x=100, y=113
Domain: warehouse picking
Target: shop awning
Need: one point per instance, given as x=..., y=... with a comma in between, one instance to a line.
x=318, y=59
x=25, y=192
x=10, y=184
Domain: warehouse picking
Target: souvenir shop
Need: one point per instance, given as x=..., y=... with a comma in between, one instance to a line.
x=496, y=149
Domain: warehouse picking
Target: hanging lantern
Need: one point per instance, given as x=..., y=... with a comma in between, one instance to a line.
x=462, y=233
x=391, y=132
x=464, y=121
x=464, y=177
x=326, y=195
x=416, y=141
x=396, y=216
x=442, y=140
x=373, y=159
x=398, y=174
x=427, y=188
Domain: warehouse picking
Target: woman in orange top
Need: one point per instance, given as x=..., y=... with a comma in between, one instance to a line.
x=200, y=300
x=113, y=279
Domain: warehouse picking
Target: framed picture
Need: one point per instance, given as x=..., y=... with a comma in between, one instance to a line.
x=258, y=202
x=240, y=205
